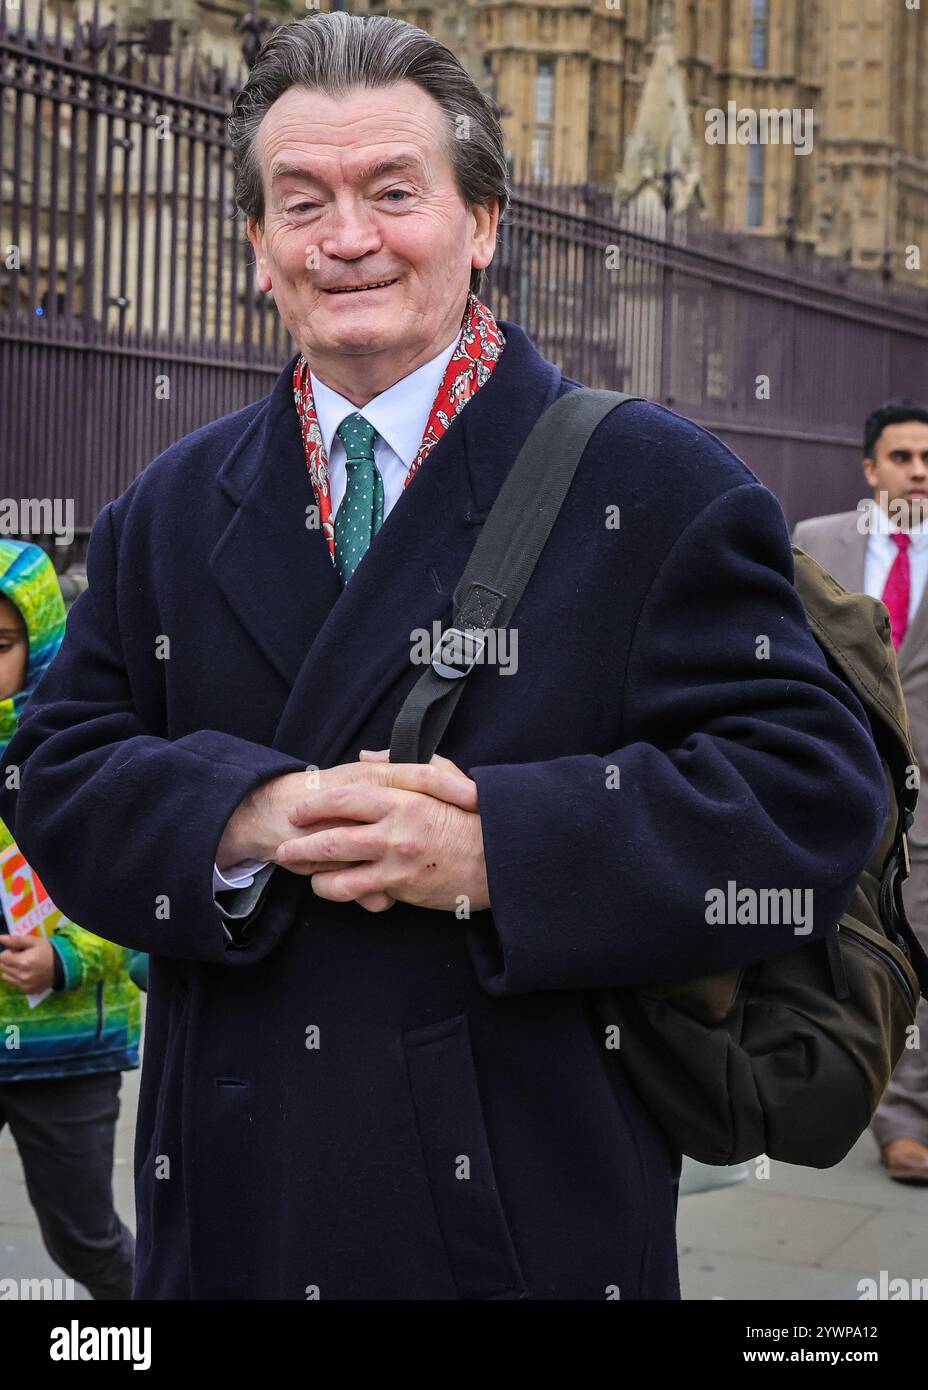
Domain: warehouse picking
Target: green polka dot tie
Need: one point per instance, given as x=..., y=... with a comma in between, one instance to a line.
x=360, y=515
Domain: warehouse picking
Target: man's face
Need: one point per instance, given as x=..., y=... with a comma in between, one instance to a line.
x=14, y=649
x=332, y=220
x=898, y=471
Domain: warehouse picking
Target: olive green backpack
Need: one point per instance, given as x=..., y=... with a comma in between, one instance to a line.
x=787, y=1058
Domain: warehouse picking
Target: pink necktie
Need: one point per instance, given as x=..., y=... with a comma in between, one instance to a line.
x=896, y=593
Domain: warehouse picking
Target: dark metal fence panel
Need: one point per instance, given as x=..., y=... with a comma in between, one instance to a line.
x=128, y=309
x=129, y=313
x=782, y=357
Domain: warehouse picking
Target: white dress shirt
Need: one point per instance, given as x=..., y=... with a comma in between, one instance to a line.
x=399, y=415
x=881, y=554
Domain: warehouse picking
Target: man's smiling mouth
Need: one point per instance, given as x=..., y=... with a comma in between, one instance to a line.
x=358, y=289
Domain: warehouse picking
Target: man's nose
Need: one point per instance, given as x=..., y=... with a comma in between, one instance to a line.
x=350, y=231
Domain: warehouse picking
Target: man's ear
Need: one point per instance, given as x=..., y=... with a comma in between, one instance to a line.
x=486, y=217
x=870, y=471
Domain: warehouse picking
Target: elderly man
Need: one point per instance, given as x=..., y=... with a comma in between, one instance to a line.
x=373, y=1071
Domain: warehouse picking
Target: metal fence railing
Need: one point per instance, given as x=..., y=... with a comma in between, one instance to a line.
x=129, y=313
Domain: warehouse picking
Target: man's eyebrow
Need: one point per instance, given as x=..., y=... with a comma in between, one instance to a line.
x=365, y=175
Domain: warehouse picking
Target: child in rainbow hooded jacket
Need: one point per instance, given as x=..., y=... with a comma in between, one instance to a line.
x=70, y=1008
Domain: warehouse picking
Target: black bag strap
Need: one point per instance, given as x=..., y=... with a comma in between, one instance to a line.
x=501, y=563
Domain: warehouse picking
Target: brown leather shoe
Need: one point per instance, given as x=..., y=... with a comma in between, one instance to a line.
x=906, y=1160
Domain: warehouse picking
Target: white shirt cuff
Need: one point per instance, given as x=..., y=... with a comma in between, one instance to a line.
x=241, y=875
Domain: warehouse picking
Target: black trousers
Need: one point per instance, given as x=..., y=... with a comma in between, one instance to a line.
x=64, y=1131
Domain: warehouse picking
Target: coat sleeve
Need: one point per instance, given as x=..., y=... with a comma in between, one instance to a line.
x=122, y=824
x=740, y=758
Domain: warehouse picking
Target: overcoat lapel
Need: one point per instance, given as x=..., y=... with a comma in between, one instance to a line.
x=272, y=567
x=342, y=651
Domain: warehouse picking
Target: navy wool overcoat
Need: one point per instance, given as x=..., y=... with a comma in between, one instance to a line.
x=457, y=1128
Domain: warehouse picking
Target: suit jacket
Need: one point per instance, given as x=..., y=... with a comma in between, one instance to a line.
x=837, y=543
x=458, y=1128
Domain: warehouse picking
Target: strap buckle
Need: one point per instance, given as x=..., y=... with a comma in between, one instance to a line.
x=457, y=652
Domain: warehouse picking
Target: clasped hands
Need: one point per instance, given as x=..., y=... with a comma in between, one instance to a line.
x=371, y=832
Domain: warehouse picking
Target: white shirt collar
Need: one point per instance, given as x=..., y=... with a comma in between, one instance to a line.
x=881, y=524
x=399, y=414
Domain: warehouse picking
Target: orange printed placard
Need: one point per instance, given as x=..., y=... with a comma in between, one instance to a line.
x=28, y=909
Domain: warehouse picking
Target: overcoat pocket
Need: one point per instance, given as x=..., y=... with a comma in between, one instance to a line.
x=458, y=1165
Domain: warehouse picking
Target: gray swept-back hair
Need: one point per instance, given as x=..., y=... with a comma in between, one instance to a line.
x=335, y=52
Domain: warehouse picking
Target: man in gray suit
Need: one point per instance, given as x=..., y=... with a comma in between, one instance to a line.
x=881, y=549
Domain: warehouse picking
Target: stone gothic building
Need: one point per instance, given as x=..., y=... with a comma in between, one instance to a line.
x=569, y=75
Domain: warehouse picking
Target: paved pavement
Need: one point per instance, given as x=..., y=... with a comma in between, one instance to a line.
x=800, y=1233
x=804, y=1233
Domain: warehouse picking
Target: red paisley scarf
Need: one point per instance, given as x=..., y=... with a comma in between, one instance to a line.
x=478, y=350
